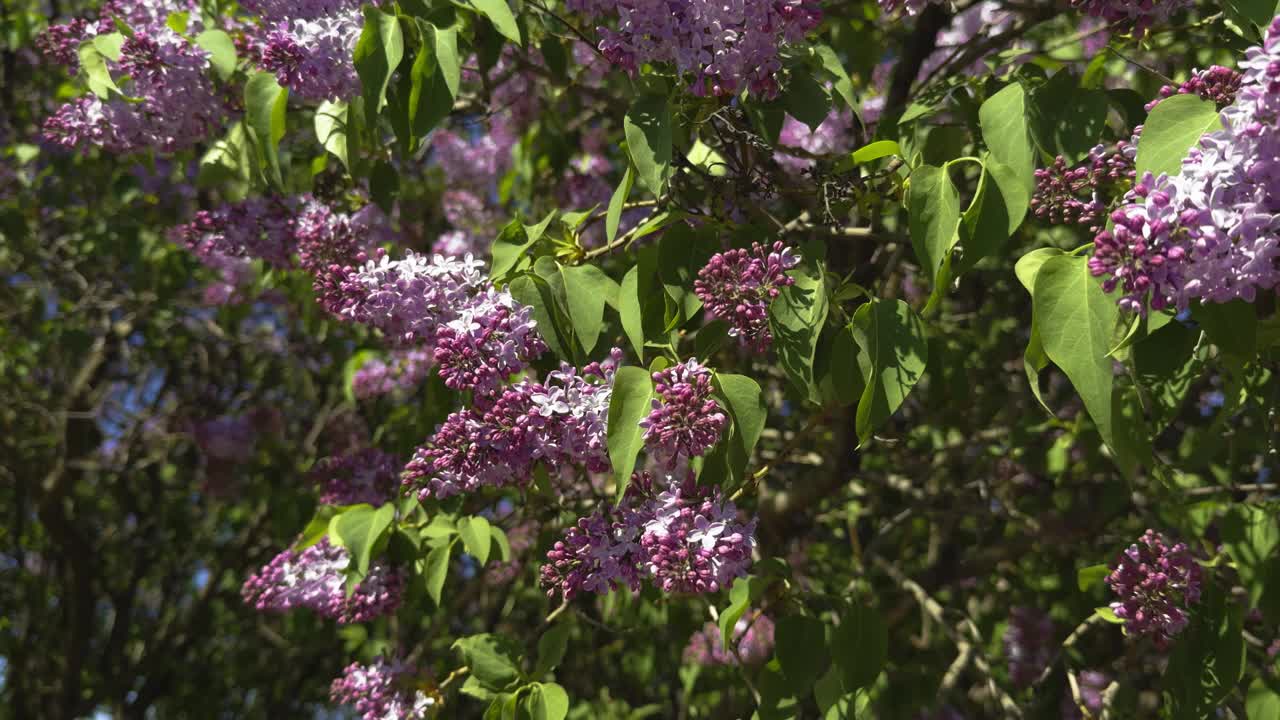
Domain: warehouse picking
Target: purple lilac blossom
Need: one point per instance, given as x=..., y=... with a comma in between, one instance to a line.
x=382, y=690
x=255, y=228
x=1093, y=684
x=752, y=634
x=175, y=107
x=1218, y=84
x=726, y=47
x=833, y=136
x=403, y=370
x=492, y=337
x=601, y=552
x=365, y=476
x=314, y=579
x=225, y=438
x=312, y=56
x=684, y=421
x=1209, y=232
x=1028, y=645
x=1082, y=194
x=407, y=299
x=738, y=285
x=1155, y=584
x=1140, y=15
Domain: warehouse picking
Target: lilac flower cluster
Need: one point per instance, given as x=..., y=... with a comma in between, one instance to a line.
x=682, y=537
x=684, y=421
x=1080, y=195
x=1093, y=685
x=309, y=45
x=225, y=438
x=471, y=169
x=383, y=691
x=727, y=47
x=1156, y=583
x=61, y=42
x=1140, y=15
x=738, y=285
x=831, y=137
x=752, y=636
x=314, y=579
x=479, y=335
x=365, y=476
x=404, y=370
x=1028, y=645
x=497, y=441
x=173, y=104
x=1208, y=233
x=1219, y=84
x=256, y=228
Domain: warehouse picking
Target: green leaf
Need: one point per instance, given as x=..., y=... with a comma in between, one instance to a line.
x=744, y=400
x=504, y=544
x=265, y=103
x=331, y=129
x=351, y=367
x=796, y=318
x=363, y=531
x=509, y=249
x=499, y=13
x=430, y=95
x=1075, y=319
x=93, y=67
x=109, y=44
x=445, y=41
x=1006, y=129
x=614, y=215
x=493, y=660
x=860, y=645
x=587, y=290
x=476, y=537
x=875, y=151
x=222, y=51
x=384, y=185
x=547, y=701
x=1087, y=577
x=894, y=351
x=839, y=78
x=648, y=130
x=316, y=529
x=436, y=570
x=628, y=405
x=377, y=55
x=1108, y=615
x=745, y=591
x=801, y=649
x=1232, y=326
x=1171, y=130
x=995, y=214
x=631, y=311
x=806, y=99
x=1250, y=535
x=1262, y=702
x=177, y=22
x=1208, y=657
x=551, y=648
x=934, y=208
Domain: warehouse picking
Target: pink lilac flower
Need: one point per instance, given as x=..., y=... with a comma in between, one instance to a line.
x=151, y=14
x=602, y=551
x=471, y=164
x=1140, y=15
x=573, y=414
x=488, y=445
x=1209, y=232
x=315, y=579
x=738, y=285
x=406, y=299
x=830, y=138
x=174, y=104
x=255, y=228
x=1093, y=684
x=61, y=43
x=312, y=56
x=694, y=541
x=383, y=690
x=1218, y=84
x=1081, y=195
x=752, y=634
x=726, y=47
x=403, y=370
x=492, y=337
x=365, y=476
x=982, y=19
x=457, y=243
x=1155, y=584
x=684, y=421
x=1028, y=645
